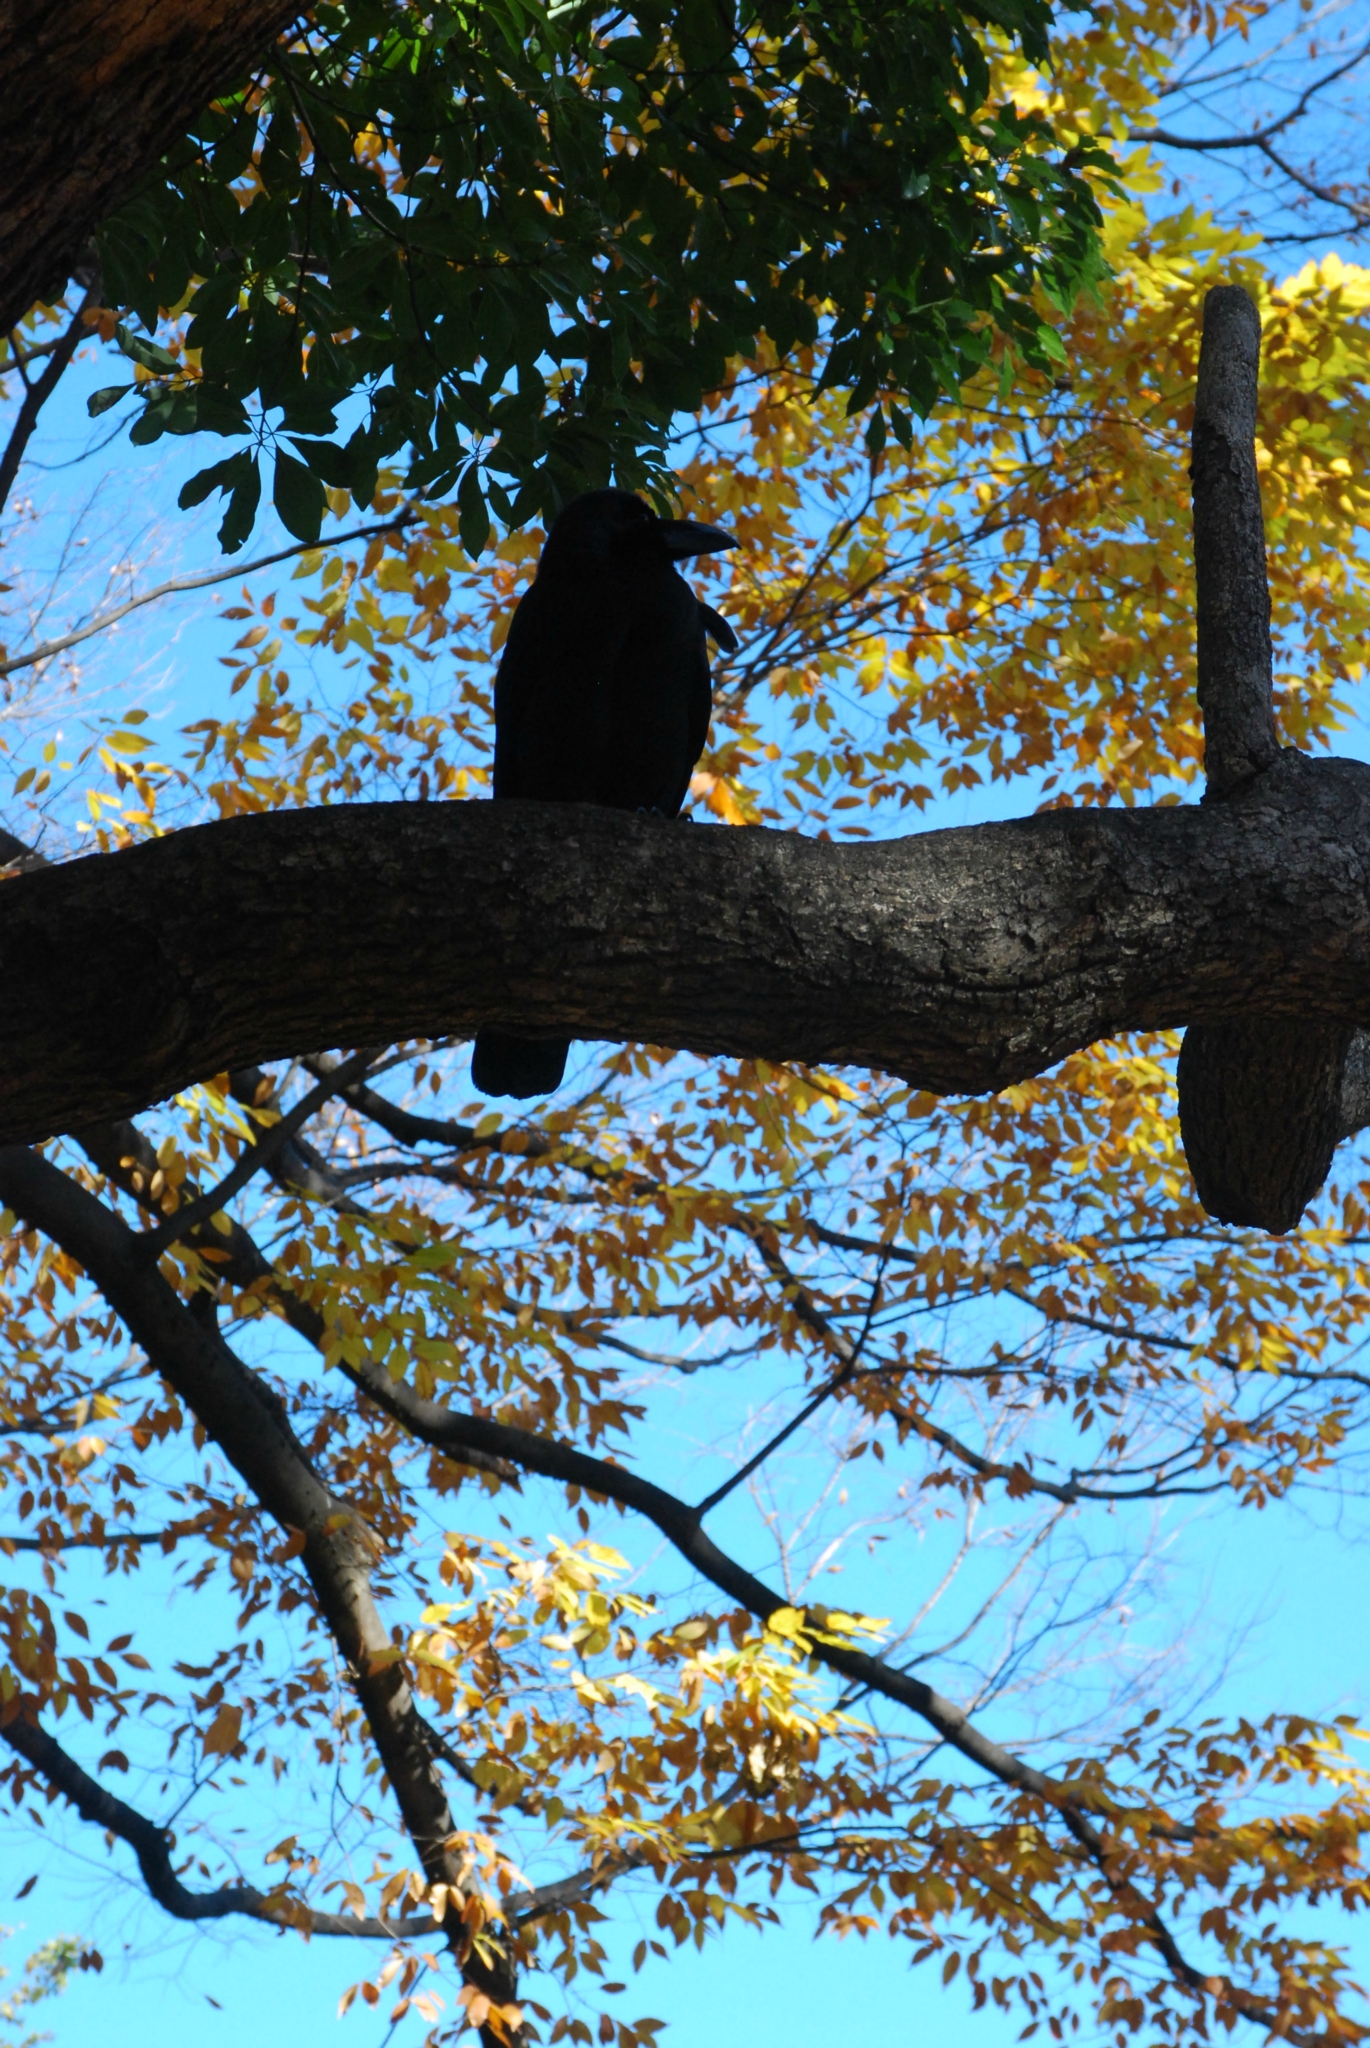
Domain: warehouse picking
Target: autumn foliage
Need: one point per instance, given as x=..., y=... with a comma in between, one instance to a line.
x=987, y=1335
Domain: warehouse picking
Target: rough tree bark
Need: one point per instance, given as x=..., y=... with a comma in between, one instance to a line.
x=1261, y=1095
x=95, y=91
x=961, y=960
x=1232, y=615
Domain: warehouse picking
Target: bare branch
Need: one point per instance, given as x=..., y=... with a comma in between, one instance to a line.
x=1256, y=138
x=252, y=1161
x=151, y=1844
x=402, y=1124
x=178, y=584
x=39, y=390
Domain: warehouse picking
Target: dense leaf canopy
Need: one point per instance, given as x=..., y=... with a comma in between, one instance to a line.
x=522, y=239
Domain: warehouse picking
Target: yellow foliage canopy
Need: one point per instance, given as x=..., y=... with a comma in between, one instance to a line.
x=1006, y=1318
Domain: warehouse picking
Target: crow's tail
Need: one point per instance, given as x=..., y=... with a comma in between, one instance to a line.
x=501, y=1065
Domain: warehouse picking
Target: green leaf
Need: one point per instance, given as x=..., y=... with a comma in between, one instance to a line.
x=108, y=395
x=327, y=460
x=151, y=423
x=242, y=509
x=856, y=181
x=220, y=476
x=473, y=523
x=139, y=349
x=298, y=496
x=362, y=463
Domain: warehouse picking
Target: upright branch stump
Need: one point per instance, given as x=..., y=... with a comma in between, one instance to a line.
x=1263, y=1099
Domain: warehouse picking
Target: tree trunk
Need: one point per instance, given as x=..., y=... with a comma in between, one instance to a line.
x=95, y=92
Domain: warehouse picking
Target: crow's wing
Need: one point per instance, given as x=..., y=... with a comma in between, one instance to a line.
x=702, y=697
x=515, y=685
x=563, y=646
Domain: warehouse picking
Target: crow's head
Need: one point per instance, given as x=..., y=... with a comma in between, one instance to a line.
x=603, y=528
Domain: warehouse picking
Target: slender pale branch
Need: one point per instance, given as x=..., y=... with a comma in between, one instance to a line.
x=102, y=622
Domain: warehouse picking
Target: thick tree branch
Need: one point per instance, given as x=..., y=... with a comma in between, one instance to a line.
x=1233, y=620
x=249, y=1423
x=18, y=856
x=961, y=960
x=1263, y=1097
x=243, y=1416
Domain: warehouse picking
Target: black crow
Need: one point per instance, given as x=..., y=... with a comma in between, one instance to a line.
x=602, y=696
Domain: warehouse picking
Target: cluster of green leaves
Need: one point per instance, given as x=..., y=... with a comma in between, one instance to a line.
x=527, y=238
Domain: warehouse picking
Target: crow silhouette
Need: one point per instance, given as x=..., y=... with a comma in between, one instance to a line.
x=602, y=696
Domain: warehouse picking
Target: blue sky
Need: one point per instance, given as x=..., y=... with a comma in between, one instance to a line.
x=1298, y=1580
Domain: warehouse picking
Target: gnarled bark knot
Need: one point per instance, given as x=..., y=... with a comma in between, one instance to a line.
x=1263, y=1100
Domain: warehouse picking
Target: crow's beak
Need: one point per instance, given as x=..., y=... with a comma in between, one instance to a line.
x=684, y=537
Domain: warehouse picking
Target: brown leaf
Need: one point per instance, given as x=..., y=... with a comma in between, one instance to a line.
x=221, y=1736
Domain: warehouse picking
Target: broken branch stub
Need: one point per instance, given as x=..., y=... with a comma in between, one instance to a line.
x=1261, y=1097
x=1261, y=1114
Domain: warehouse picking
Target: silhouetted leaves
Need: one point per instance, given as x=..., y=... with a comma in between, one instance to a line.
x=524, y=241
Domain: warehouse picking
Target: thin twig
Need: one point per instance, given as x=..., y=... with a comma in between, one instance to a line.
x=153, y=1243
x=179, y=583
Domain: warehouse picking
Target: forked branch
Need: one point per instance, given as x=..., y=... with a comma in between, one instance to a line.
x=152, y=1845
